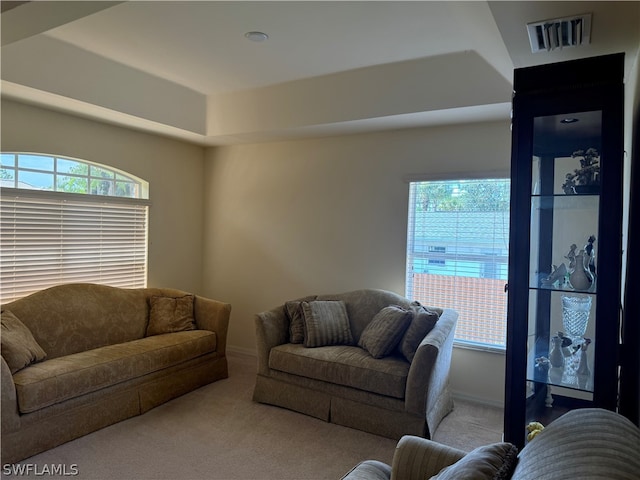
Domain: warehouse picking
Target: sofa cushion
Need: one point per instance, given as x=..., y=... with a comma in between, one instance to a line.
x=18, y=346
x=59, y=379
x=422, y=323
x=170, y=314
x=296, y=321
x=326, y=323
x=489, y=462
x=293, y=309
x=583, y=443
x=382, y=335
x=350, y=366
x=363, y=305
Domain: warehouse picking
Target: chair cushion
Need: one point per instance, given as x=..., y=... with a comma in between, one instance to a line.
x=59, y=379
x=326, y=323
x=18, y=346
x=350, y=366
x=382, y=335
x=489, y=462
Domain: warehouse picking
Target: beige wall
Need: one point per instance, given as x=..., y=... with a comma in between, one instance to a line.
x=327, y=215
x=173, y=169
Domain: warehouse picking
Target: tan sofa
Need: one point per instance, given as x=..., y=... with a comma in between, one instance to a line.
x=344, y=384
x=585, y=444
x=103, y=363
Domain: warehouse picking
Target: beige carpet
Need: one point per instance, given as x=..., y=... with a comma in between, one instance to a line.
x=217, y=432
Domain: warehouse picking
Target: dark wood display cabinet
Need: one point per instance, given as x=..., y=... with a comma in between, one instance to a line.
x=565, y=248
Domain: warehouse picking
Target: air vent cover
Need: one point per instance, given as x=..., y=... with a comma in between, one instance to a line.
x=561, y=32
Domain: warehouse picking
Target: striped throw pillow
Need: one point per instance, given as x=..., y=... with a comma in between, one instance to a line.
x=326, y=323
x=381, y=336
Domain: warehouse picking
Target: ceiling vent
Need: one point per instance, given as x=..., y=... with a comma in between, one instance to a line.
x=559, y=33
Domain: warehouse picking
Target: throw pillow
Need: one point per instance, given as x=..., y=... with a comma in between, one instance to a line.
x=422, y=323
x=326, y=323
x=490, y=462
x=381, y=336
x=18, y=346
x=296, y=321
x=170, y=314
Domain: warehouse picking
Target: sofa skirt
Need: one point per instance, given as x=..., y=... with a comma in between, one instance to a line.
x=349, y=412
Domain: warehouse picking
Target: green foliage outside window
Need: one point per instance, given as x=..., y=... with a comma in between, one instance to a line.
x=41, y=172
x=469, y=196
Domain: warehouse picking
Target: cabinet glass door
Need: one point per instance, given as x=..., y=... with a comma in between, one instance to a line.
x=563, y=263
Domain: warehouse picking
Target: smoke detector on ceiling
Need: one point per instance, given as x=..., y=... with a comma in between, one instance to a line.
x=548, y=35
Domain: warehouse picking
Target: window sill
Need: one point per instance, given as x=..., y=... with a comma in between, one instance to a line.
x=501, y=350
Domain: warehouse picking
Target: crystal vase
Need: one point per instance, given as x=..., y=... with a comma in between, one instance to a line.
x=575, y=316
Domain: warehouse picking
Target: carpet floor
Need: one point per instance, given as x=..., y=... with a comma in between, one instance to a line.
x=218, y=432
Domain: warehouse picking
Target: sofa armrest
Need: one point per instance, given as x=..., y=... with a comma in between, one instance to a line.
x=419, y=458
x=214, y=316
x=8, y=399
x=272, y=329
x=429, y=372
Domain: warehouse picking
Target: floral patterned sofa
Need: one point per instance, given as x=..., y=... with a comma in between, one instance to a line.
x=79, y=357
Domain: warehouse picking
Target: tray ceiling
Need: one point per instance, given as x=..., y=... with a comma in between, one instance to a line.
x=185, y=68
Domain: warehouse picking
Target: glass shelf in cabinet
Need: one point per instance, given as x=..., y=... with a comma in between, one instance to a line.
x=590, y=291
x=570, y=195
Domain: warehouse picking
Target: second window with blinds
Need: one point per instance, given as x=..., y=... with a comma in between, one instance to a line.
x=457, y=254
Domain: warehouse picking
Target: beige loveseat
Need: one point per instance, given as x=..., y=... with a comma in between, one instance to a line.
x=107, y=359
x=343, y=383
x=584, y=444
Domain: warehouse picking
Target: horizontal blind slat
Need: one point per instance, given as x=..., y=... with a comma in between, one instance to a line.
x=44, y=242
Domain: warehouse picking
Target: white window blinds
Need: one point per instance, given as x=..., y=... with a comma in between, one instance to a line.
x=457, y=254
x=52, y=238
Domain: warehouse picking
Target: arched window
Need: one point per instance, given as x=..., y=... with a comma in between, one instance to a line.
x=66, y=220
x=34, y=171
